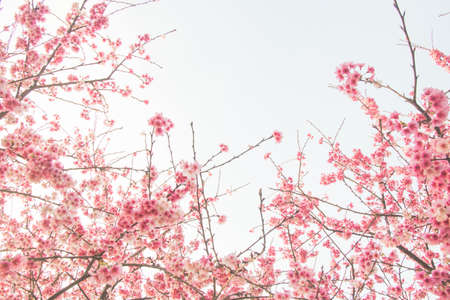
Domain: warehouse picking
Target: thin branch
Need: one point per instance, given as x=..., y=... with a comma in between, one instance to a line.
x=412, y=50
x=238, y=155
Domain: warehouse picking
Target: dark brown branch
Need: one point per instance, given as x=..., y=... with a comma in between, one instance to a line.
x=76, y=282
x=415, y=258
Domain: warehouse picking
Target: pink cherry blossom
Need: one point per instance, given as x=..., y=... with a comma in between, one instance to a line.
x=277, y=136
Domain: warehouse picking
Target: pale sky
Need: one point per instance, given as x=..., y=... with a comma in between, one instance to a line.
x=240, y=69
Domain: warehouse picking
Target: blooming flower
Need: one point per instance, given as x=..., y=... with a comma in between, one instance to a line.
x=278, y=136
x=223, y=148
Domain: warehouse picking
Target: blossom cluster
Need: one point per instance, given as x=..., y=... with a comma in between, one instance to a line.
x=31, y=18
x=441, y=59
x=350, y=74
x=437, y=105
x=108, y=274
x=160, y=124
x=436, y=281
x=9, y=102
x=10, y=265
x=44, y=165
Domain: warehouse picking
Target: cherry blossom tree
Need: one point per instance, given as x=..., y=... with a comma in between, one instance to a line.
x=91, y=224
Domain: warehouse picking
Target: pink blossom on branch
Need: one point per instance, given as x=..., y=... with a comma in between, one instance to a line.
x=160, y=124
x=278, y=136
x=223, y=148
x=441, y=59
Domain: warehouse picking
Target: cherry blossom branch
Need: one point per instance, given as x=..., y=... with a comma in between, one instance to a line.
x=238, y=155
x=301, y=193
x=380, y=130
x=127, y=5
x=415, y=258
x=178, y=278
x=76, y=282
x=44, y=67
x=64, y=257
x=79, y=287
x=263, y=237
x=105, y=168
x=261, y=216
x=379, y=84
x=28, y=195
x=56, y=71
x=364, y=234
x=197, y=195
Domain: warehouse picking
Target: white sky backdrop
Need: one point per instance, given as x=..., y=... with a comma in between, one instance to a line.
x=240, y=69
